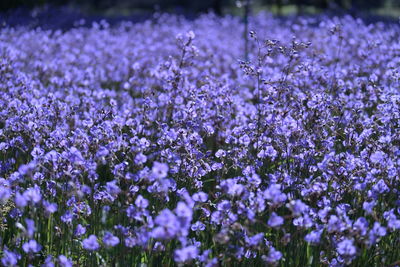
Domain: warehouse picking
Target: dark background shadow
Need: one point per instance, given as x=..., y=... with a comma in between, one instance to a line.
x=64, y=14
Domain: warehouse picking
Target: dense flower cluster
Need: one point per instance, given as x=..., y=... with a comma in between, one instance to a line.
x=159, y=143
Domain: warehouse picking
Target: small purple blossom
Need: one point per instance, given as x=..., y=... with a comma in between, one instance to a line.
x=186, y=254
x=314, y=237
x=31, y=246
x=275, y=220
x=160, y=170
x=110, y=240
x=64, y=261
x=5, y=194
x=200, y=197
x=10, y=258
x=274, y=194
x=80, y=230
x=346, y=248
x=90, y=243
x=141, y=202
x=273, y=255
x=198, y=226
x=377, y=157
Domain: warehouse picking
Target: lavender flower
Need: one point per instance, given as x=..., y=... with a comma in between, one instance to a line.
x=186, y=254
x=160, y=170
x=80, y=230
x=31, y=246
x=275, y=220
x=110, y=240
x=346, y=248
x=377, y=157
x=274, y=194
x=10, y=258
x=30, y=226
x=168, y=225
x=273, y=255
x=5, y=194
x=64, y=261
x=314, y=237
x=90, y=243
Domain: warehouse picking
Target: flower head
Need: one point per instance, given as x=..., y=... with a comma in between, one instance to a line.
x=91, y=243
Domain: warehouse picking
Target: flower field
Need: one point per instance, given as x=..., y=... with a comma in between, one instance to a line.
x=163, y=143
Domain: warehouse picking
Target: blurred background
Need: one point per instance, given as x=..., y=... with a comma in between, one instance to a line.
x=63, y=13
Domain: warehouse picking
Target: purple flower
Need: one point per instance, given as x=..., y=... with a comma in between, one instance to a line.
x=37, y=152
x=200, y=197
x=244, y=140
x=64, y=261
x=375, y=233
x=75, y=156
x=378, y=229
x=48, y=262
x=269, y=151
x=67, y=217
x=5, y=194
x=231, y=187
x=380, y=187
x=159, y=170
x=377, y=157
x=30, y=227
x=168, y=225
x=297, y=207
x=102, y=152
x=255, y=240
x=141, y=202
x=273, y=255
x=303, y=221
x=50, y=207
x=368, y=206
x=346, y=248
x=20, y=200
x=314, y=237
x=361, y=226
x=184, y=211
x=224, y=206
x=220, y=153
x=198, y=226
x=31, y=246
x=130, y=242
x=91, y=243
x=112, y=188
x=25, y=169
x=33, y=194
x=140, y=158
x=10, y=258
x=158, y=246
x=335, y=224
x=110, y=240
x=196, y=148
x=80, y=230
x=274, y=194
x=275, y=220
x=186, y=254
x=393, y=221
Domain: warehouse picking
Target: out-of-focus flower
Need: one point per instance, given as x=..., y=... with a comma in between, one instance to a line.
x=31, y=246
x=186, y=254
x=10, y=258
x=275, y=220
x=346, y=247
x=64, y=261
x=110, y=240
x=90, y=243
